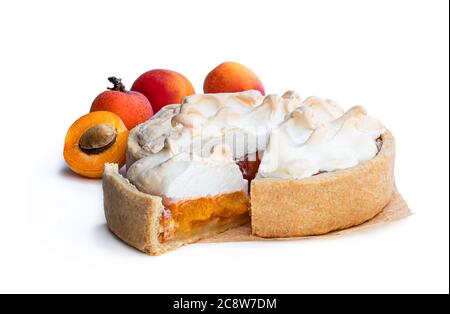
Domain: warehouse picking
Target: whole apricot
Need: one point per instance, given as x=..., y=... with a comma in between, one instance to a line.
x=132, y=107
x=163, y=87
x=231, y=77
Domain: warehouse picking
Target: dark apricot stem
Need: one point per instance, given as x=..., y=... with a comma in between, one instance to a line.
x=118, y=85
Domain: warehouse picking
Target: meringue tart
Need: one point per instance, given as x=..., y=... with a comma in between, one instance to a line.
x=141, y=220
x=292, y=167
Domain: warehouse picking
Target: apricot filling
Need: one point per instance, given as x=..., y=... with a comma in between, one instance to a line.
x=183, y=219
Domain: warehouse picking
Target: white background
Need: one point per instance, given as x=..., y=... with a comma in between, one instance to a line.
x=55, y=56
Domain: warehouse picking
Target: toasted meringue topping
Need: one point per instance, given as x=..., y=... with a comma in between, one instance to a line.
x=302, y=147
x=189, y=151
x=186, y=176
x=240, y=120
x=313, y=113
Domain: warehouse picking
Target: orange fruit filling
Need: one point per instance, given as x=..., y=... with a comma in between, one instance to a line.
x=185, y=218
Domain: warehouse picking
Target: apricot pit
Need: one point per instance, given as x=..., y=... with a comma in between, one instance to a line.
x=97, y=139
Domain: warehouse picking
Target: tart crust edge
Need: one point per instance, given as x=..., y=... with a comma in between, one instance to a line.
x=325, y=202
x=134, y=217
x=131, y=215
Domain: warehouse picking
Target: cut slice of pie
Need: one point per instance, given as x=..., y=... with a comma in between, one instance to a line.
x=185, y=198
x=309, y=167
x=146, y=223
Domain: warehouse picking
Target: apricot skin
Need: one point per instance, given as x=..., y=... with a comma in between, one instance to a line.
x=163, y=87
x=132, y=107
x=91, y=165
x=231, y=77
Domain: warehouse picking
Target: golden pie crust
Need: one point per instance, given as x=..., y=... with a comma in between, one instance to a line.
x=325, y=202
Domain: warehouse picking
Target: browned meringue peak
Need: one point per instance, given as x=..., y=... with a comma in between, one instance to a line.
x=152, y=134
x=323, y=109
x=196, y=109
x=215, y=112
x=313, y=113
x=337, y=144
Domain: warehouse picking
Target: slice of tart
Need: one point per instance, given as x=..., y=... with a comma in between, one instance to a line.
x=181, y=200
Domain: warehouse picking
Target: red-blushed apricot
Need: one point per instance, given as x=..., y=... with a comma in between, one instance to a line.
x=231, y=77
x=132, y=107
x=163, y=87
x=95, y=139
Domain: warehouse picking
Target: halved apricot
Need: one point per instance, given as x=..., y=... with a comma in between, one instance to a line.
x=95, y=139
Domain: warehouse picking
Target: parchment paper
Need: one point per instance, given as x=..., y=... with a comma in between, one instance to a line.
x=395, y=210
